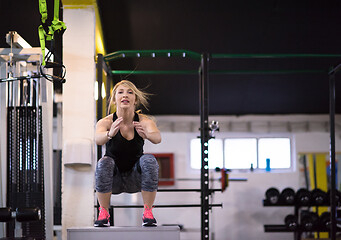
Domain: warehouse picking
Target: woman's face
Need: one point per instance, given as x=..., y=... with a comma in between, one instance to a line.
x=125, y=97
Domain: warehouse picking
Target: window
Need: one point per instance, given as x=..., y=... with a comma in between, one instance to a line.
x=275, y=149
x=240, y=153
x=215, y=153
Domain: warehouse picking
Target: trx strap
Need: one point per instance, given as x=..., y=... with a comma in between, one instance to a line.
x=43, y=10
x=56, y=25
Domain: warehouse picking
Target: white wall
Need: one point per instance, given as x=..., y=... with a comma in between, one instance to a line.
x=78, y=117
x=243, y=215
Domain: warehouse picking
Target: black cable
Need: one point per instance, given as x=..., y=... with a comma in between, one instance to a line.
x=53, y=78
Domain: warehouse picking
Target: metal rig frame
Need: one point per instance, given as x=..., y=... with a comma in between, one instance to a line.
x=23, y=94
x=332, y=78
x=204, y=106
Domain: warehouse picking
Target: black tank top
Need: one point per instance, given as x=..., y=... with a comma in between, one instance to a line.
x=125, y=153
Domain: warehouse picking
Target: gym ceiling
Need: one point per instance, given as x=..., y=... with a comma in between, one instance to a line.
x=269, y=85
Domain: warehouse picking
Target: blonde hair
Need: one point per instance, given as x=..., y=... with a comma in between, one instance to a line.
x=141, y=96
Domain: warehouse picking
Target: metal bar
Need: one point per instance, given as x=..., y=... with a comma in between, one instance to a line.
x=332, y=155
x=152, y=54
x=196, y=56
x=152, y=72
x=155, y=72
x=276, y=228
x=198, y=179
x=304, y=55
x=314, y=168
x=332, y=150
x=204, y=136
x=275, y=72
x=315, y=184
x=189, y=190
x=108, y=90
x=99, y=66
x=335, y=69
x=19, y=78
x=166, y=206
x=216, y=72
x=305, y=172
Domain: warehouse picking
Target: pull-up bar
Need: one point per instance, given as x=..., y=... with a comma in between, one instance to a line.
x=152, y=53
x=157, y=72
x=197, y=56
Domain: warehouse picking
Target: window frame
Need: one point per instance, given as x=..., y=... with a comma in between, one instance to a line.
x=224, y=136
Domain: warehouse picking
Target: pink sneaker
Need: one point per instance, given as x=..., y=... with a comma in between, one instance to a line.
x=148, y=218
x=103, y=218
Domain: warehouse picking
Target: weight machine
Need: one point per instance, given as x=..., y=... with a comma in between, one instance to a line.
x=26, y=142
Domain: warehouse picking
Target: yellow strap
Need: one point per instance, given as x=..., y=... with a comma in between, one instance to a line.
x=56, y=10
x=56, y=25
x=43, y=10
x=42, y=33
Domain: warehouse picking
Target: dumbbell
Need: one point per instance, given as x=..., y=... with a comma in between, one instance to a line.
x=272, y=195
x=303, y=197
x=337, y=197
x=291, y=222
x=288, y=196
x=309, y=220
x=325, y=220
x=318, y=197
x=23, y=214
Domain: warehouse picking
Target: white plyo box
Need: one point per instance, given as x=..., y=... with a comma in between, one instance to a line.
x=126, y=233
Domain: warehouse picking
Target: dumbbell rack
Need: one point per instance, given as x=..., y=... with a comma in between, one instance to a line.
x=282, y=227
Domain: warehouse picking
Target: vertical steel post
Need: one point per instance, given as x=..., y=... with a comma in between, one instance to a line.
x=108, y=82
x=99, y=67
x=204, y=136
x=332, y=155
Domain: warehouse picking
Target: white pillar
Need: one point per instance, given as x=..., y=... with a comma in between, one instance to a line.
x=78, y=115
